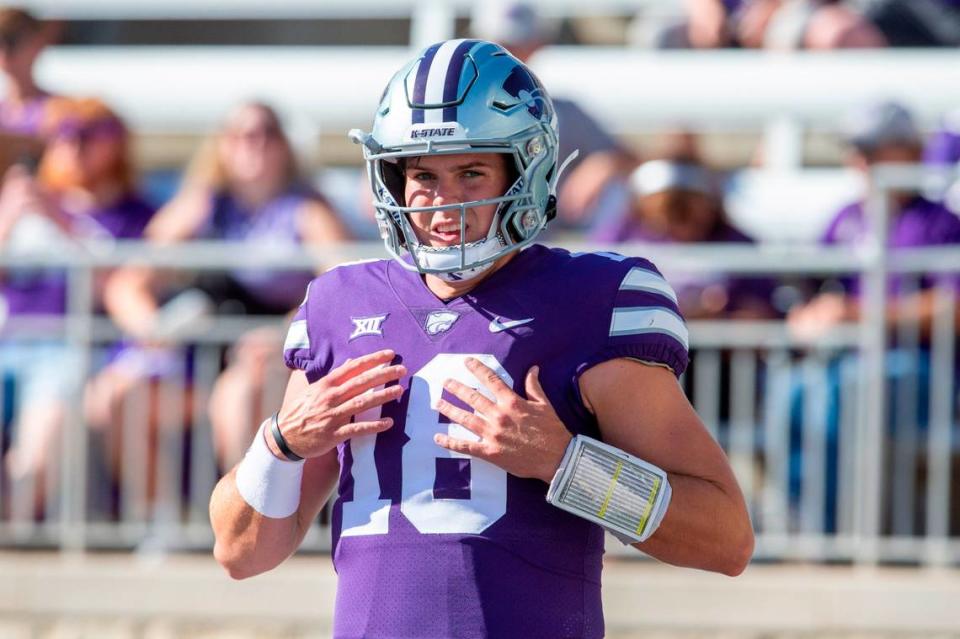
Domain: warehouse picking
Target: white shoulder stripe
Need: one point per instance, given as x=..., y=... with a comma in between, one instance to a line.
x=297, y=337
x=306, y=295
x=640, y=279
x=646, y=319
x=616, y=257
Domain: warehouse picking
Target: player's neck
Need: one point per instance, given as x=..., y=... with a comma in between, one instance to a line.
x=449, y=290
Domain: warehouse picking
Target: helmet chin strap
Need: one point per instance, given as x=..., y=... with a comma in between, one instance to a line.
x=448, y=257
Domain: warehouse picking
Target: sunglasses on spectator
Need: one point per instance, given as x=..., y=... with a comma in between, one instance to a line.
x=83, y=134
x=268, y=132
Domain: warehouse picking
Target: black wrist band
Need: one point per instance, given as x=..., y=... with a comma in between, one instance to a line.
x=280, y=441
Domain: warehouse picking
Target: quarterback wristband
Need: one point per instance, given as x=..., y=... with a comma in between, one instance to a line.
x=612, y=488
x=280, y=441
x=271, y=486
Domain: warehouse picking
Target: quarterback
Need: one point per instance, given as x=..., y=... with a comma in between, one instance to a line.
x=486, y=406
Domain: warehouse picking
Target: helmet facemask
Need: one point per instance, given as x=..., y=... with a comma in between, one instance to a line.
x=516, y=221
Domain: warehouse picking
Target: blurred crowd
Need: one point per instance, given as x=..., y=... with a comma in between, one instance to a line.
x=69, y=176
x=804, y=24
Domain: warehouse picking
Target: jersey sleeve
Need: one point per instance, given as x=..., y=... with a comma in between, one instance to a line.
x=305, y=347
x=644, y=321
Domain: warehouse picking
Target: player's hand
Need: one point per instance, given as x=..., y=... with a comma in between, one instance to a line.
x=525, y=437
x=316, y=421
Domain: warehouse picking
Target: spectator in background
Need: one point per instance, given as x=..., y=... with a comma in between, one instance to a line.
x=84, y=190
x=943, y=152
x=943, y=147
x=22, y=38
x=243, y=186
x=677, y=200
x=879, y=133
x=915, y=23
x=595, y=177
x=769, y=24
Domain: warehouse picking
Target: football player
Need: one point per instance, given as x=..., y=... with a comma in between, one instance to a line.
x=488, y=405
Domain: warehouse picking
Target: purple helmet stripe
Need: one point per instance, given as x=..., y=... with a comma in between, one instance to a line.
x=451, y=83
x=420, y=84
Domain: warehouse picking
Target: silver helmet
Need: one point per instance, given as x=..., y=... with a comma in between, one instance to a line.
x=463, y=96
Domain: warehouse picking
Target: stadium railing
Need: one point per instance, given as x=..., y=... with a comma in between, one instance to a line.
x=874, y=486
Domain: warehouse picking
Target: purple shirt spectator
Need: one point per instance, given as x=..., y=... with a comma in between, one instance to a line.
x=23, y=120
x=43, y=292
x=943, y=148
x=273, y=227
x=919, y=223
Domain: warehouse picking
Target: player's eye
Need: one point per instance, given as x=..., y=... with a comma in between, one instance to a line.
x=423, y=176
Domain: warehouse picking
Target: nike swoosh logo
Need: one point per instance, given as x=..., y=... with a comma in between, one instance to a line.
x=496, y=325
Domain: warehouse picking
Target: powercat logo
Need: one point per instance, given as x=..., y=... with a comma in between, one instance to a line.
x=437, y=131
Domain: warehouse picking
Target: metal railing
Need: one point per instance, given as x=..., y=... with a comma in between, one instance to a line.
x=842, y=478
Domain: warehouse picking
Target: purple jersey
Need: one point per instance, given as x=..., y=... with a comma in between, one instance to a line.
x=272, y=226
x=430, y=543
x=919, y=223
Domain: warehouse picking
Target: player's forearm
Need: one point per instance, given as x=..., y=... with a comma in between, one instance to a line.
x=705, y=527
x=248, y=543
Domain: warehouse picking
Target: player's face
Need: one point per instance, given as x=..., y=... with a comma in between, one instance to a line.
x=432, y=180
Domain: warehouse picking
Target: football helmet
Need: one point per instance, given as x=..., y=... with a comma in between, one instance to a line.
x=463, y=96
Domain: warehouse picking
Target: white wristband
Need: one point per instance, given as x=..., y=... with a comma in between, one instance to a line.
x=610, y=487
x=271, y=486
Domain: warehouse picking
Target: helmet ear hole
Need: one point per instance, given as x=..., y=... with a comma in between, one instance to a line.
x=551, y=210
x=392, y=175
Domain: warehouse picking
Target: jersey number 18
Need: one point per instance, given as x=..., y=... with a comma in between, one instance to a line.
x=367, y=514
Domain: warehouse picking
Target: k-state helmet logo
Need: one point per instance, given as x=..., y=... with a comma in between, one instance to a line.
x=367, y=325
x=440, y=321
x=435, y=131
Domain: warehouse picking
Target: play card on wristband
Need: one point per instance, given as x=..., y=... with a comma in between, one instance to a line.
x=612, y=488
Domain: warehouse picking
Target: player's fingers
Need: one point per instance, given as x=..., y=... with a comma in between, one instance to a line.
x=470, y=396
x=471, y=421
x=356, y=429
x=365, y=381
x=366, y=401
x=489, y=378
x=534, y=389
x=474, y=449
x=353, y=367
